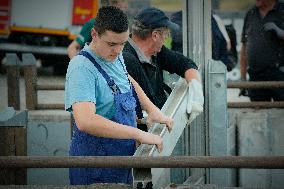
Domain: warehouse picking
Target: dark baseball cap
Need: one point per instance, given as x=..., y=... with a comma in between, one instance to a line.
x=155, y=18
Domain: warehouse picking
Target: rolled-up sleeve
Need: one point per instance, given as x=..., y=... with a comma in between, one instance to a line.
x=174, y=62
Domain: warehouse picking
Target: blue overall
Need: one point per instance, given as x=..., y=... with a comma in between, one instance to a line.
x=84, y=144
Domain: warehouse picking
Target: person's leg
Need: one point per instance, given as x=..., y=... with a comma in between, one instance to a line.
x=259, y=94
x=277, y=93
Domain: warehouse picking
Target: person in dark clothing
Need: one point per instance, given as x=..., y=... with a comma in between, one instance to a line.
x=219, y=43
x=219, y=46
x=262, y=48
x=145, y=56
x=176, y=17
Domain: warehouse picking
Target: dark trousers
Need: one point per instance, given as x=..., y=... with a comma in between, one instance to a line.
x=275, y=94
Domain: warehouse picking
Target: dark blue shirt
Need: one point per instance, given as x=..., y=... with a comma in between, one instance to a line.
x=263, y=49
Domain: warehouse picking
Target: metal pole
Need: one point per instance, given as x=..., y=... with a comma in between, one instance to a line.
x=50, y=87
x=254, y=162
x=256, y=84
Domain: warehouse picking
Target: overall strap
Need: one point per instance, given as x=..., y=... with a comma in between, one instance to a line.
x=109, y=81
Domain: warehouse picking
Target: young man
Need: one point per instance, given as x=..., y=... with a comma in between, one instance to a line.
x=262, y=50
x=85, y=33
x=145, y=57
x=99, y=94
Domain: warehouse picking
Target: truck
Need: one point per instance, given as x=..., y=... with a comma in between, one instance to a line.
x=44, y=23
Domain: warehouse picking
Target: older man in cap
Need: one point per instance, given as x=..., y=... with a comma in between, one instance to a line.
x=146, y=58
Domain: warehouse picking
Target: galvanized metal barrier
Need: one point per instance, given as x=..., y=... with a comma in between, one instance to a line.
x=176, y=108
x=256, y=85
x=252, y=162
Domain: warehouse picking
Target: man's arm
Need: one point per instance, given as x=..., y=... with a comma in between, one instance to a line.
x=271, y=26
x=88, y=121
x=175, y=62
x=243, y=68
x=83, y=37
x=73, y=49
x=192, y=74
x=154, y=113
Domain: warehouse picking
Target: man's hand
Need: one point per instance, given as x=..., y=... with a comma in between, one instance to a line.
x=156, y=116
x=270, y=26
x=149, y=138
x=195, y=99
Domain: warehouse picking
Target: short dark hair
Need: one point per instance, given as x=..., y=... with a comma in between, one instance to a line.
x=111, y=18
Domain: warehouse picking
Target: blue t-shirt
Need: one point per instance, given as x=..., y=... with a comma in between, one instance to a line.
x=84, y=83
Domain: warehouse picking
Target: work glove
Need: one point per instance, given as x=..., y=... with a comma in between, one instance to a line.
x=195, y=99
x=271, y=27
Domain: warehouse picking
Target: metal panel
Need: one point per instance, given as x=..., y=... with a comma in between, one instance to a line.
x=218, y=122
x=231, y=147
x=175, y=107
x=197, y=46
x=48, y=135
x=178, y=175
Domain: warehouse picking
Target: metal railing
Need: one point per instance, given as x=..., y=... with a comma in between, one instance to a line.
x=252, y=162
x=32, y=87
x=256, y=85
